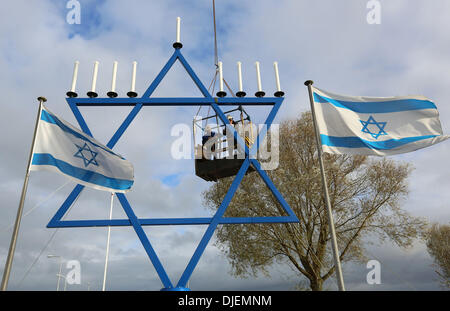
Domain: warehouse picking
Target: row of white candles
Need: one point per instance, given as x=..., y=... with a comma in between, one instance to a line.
x=95, y=74
x=239, y=67
x=133, y=77
x=258, y=76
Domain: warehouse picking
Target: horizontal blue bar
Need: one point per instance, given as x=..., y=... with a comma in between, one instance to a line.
x=356, y=142
x=82, y=174
x=171, y=221
x=174, y=101
x=378, y=107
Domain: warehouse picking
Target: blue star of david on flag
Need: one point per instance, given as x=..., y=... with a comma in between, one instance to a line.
x=379, y=125
x=89, y=152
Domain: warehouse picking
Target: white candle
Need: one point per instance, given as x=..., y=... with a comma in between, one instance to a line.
x=258, y=77
x=114, y=75
x=239, y=76
x=277, y=77
x=133, y=77
x=94, y=77
x=178, y=29
x=74, y=77
x=220, y=76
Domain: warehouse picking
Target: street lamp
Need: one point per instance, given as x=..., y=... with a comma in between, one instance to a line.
x=65, y=280
x=60, y=267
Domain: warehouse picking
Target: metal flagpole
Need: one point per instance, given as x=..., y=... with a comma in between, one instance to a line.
x=334, y=245
x=107, y=243
x=12, y=245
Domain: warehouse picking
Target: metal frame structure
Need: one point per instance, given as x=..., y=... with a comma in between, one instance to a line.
x=212, y=222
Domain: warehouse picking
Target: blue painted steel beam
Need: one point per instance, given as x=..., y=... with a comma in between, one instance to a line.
x=112, y=142
x=173, y=101
x=193, y=75
x=208, y=100
x=79, y=188
x=263, y=131
x=144, y=240
x=273, y=189
x=54, y=222
x=230, y=128
x=168, y=221
x=214, y=222
x=161, y=75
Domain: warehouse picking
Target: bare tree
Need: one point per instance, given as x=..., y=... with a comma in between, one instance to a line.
x=365, y=196
x=438, y=245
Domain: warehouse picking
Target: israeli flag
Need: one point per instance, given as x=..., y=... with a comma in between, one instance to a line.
x=376, y=125
x=62, y=148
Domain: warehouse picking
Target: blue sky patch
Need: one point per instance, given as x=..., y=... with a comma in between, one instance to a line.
x=171, y=180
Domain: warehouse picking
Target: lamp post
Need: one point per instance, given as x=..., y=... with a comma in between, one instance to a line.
x=65, y=280
x=60, y=268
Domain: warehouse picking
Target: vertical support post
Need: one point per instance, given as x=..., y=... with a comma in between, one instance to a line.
x=12, y=246
x=107, y=243
x=334, y=246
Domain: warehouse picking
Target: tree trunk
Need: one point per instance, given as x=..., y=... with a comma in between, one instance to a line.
x=316, y=284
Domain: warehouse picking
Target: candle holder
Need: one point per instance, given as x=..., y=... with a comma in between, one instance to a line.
x=92, y=94
x=279, y=94
x=71, y=94
x=177, y=45
x=132, y=94
x=147, y=100
x=111, y=94
x=221, y=94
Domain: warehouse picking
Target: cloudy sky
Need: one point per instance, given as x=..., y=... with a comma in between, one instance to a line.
x=327, y=41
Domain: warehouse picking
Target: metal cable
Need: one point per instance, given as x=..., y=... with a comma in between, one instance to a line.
x=46, y=245
x=38, y=204
x=216, y=54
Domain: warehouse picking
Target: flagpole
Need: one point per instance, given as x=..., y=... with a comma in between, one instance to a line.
x=334, y=245
x=15, y=234
x=107, y=244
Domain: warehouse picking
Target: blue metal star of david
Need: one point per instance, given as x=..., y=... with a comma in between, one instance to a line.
x=372, y=121
x=211, y=222
x=89, y=151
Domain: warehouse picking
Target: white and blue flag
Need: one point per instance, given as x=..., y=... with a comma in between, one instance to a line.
x=376, y=125
x=62, y=148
